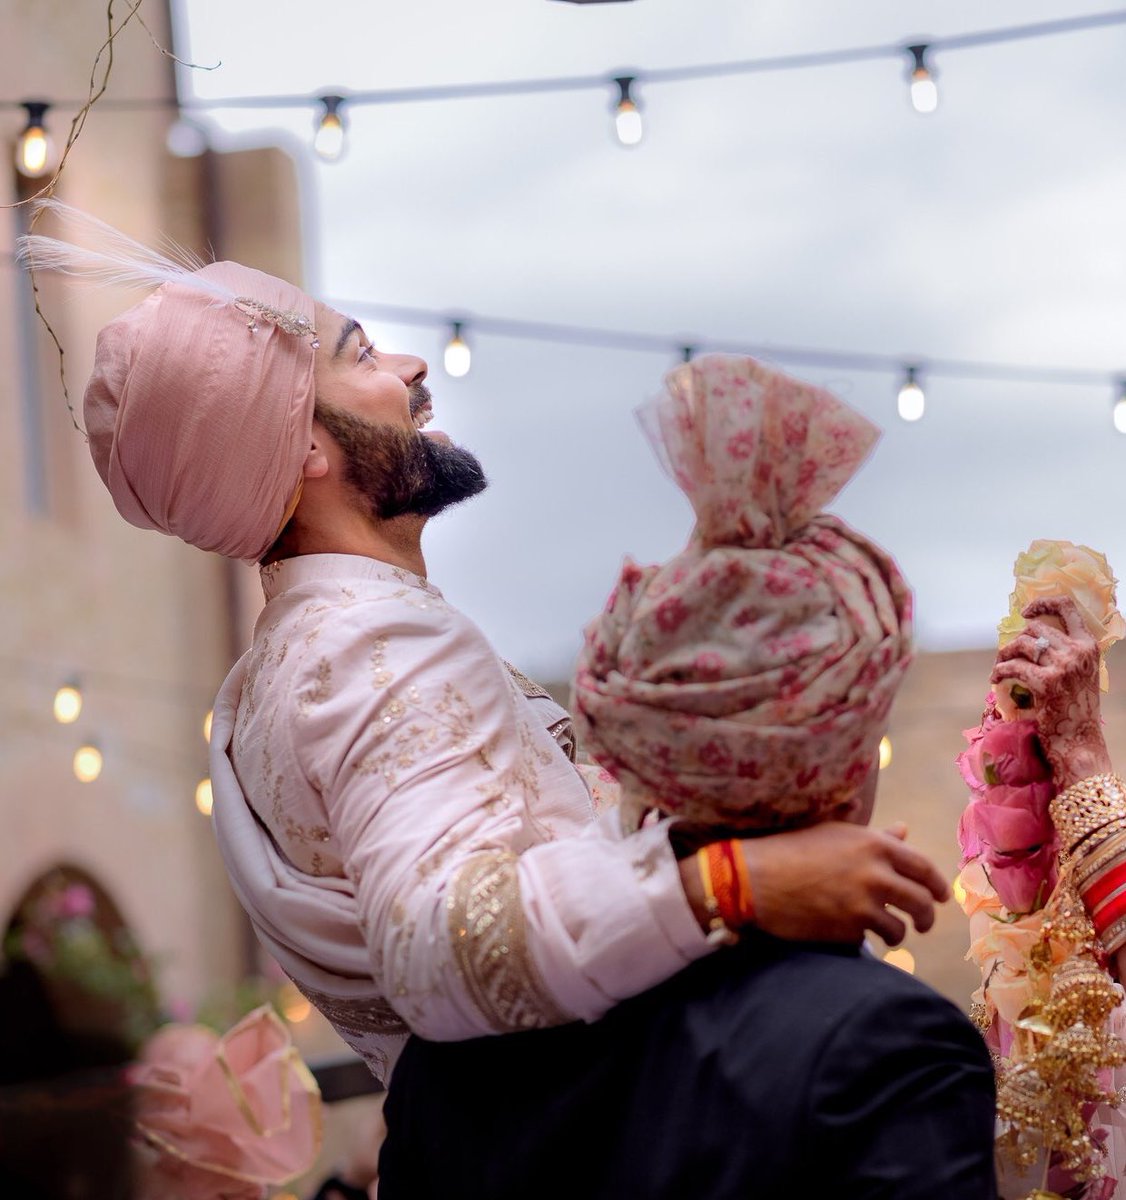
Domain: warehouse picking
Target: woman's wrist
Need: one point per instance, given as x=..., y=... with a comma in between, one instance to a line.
x=1090, y=818
x=1081, y=763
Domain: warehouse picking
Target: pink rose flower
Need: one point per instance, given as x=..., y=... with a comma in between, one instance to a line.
x=1007, y=824
x=1008, y=752
x=1023, y=881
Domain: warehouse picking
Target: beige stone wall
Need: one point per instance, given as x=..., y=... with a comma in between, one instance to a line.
x=147, y=624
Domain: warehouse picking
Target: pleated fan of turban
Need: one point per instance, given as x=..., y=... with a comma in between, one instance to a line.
x=746, y=683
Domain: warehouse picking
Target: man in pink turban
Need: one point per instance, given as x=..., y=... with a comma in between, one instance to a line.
x=398, y=809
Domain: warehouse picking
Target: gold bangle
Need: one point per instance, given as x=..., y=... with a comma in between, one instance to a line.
x=1086, y=807
x=1113, y=937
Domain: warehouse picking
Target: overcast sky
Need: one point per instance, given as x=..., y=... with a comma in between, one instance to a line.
x=808, y=208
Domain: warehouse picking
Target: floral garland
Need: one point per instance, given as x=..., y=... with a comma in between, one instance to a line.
x=1047, y=1006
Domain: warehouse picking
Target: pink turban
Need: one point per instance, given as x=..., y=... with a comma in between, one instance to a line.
x=198, y=426
x=747, y=682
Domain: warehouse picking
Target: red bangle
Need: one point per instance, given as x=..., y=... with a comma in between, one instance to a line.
x=1108, y=882
x=1109, y=912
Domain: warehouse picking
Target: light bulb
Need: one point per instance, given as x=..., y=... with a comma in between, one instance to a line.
x=924, y=92
x=457, y=356
x=328, y=141
x=885, y=752
x=35, y=148
x=295, y=1008
x=901, y=958
x=627, y=122
x=207, y=726
x=911, y=402
x=203, y=797
x=627, y=116
x=1120, y=411
x=68, y=704
x=87, y=763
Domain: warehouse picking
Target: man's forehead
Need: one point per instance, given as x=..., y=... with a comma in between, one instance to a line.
x=336, y=327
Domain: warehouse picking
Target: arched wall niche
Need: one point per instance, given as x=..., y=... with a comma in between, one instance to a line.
x=66, y=940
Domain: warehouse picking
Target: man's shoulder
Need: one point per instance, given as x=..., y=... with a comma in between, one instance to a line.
x=850, y=986
x=357, y=613
x=807, y=997
x=370, y=640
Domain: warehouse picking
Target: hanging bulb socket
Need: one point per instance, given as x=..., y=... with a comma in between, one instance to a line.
x=35, y=148
x=911, y=402
x=329, y=139
x=627, y=116
x=457, y=357
x=924, y=91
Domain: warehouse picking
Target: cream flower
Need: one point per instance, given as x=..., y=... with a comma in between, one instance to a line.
x=1058, y=568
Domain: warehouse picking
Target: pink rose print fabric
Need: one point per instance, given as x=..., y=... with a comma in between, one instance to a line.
x=747, y=682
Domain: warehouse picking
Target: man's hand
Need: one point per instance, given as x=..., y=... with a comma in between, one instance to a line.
x=1056, y=661
x=834, y=881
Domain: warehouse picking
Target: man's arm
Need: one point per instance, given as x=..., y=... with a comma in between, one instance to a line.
x=442, y=799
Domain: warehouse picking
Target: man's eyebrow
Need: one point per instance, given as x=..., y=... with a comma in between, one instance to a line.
x=350, y=328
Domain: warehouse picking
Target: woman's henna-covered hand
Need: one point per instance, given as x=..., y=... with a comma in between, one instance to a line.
x=1056, y=661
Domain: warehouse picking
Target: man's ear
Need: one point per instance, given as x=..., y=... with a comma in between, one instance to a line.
x=316, y=461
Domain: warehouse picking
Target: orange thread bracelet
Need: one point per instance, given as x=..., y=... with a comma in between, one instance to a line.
x=731, y=883
x=718, y=929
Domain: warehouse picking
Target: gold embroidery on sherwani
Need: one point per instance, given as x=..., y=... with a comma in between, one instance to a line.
x=400, y=748
x=318, y=691
x=529, y=687
x=489, y=937
x=563, y=730
x=380, y=677
x=273, y=785
x=361, y=1015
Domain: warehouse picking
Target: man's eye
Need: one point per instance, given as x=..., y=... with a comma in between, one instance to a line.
x=368, y=352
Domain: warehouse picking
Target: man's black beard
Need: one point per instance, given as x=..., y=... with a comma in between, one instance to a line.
x=401, y=472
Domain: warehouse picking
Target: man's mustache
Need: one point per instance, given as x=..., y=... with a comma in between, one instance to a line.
x=419, y=396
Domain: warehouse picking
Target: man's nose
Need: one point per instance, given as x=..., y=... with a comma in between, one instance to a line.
x=408, y=367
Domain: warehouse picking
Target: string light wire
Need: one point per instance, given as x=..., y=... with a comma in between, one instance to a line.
x=576, y=83
x=670, y=345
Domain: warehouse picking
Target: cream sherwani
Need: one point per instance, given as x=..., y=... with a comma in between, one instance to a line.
x=410, y=840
